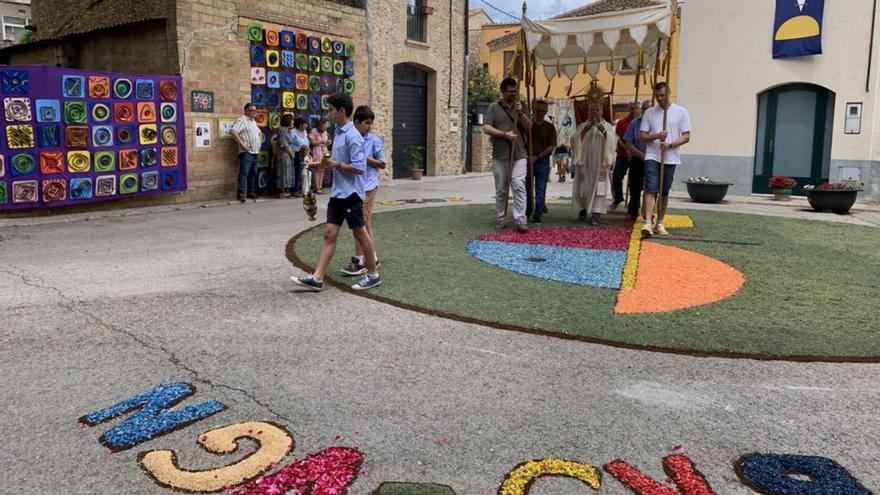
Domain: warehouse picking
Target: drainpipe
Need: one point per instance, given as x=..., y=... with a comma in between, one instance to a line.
x=463, y=115
x=368, y=19
x=871, y=48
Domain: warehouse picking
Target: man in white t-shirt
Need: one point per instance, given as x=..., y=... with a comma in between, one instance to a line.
x=663, y=143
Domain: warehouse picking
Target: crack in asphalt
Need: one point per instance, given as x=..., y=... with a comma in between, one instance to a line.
x=70, y=304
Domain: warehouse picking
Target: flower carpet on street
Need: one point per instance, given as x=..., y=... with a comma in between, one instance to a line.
x=714, y=287
x=584, y=256
x=269, y=469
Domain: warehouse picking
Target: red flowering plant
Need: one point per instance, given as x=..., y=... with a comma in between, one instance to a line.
x=849, y=185
x=781, y=182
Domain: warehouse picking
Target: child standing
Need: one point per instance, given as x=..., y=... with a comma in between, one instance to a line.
x=320, y=140
x=374, y=149
x=348, y=164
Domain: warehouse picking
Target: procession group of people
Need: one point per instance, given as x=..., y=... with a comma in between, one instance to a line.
x=600, y=154
x=356, y=159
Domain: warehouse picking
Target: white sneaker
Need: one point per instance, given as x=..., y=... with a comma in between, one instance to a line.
x=647, y=231
x=661, y=230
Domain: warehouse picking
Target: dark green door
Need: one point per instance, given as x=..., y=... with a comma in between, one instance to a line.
x=794, y=135
x=410, y=116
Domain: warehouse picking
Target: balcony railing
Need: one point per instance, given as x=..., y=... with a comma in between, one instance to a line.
x=416, y=21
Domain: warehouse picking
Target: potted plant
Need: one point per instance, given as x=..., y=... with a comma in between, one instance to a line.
x=781, y=185
x=416, y=160
x=706, y=190
x=835, y=196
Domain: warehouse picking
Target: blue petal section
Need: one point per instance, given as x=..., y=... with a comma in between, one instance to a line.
x=153, y=418
x=771, y=473
x=589, y=267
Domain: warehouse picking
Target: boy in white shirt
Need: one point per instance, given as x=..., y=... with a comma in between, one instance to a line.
x=374, y=149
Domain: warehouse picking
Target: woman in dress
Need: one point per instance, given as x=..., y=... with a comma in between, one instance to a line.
x=285, y=178
x=320, y=139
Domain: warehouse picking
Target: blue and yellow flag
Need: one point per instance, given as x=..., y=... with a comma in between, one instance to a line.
x=798, y=28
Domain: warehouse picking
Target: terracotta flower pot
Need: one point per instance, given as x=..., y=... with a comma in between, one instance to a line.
x=417, y=173
x=838, y=201
x=782, y=194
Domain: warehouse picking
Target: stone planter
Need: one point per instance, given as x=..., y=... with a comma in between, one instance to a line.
x=417, y=173
x=838, y=201
x=782, y=194
x=707, y=192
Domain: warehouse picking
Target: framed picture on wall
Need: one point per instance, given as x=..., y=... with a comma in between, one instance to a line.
x=202, y=101
x=202, y=134
x=224, y=127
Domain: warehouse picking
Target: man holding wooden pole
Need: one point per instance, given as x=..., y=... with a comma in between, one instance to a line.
x=665, y=127
x=505, y=122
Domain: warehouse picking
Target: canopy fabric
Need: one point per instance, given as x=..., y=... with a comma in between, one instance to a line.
x=565, y=44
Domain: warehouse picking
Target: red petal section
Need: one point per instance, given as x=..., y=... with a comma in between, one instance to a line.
x=603, y=238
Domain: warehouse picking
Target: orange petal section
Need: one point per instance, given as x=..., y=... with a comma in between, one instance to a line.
x=670, y=278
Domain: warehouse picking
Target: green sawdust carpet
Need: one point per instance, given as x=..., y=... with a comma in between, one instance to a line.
x=810, y=293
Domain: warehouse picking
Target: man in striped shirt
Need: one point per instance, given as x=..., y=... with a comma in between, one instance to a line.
x=249, y=138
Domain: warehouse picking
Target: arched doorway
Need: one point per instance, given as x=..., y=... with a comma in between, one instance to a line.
x=410, y=115
x=794, y=135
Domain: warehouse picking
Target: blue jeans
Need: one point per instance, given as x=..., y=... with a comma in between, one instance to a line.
x=620, y=168
x=541, y=170
x=247, y=174
x=652, y=177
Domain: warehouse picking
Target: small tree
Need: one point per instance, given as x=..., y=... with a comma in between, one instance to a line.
x=482, y=87
x=28, y=35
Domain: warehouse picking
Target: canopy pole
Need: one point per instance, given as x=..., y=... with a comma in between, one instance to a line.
x=639, y=63
x=521, y=46
x=661, y=203
x=611, y=96
x=656, y=68
x=531, y=89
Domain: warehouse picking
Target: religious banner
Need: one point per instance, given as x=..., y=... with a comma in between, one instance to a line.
x=798, y=28
x=74, y=137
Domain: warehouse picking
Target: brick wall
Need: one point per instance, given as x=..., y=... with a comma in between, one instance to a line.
x=446, y=75
x=206, y=41
x=213, y=49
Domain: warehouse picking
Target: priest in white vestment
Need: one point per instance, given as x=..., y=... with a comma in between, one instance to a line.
x=594, y=150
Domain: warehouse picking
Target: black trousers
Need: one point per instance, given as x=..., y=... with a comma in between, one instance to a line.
x=636, y=186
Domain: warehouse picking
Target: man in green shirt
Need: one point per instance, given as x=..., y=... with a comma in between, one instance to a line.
x=507, y=124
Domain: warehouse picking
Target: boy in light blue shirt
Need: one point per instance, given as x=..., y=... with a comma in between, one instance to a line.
x=348, y=164
x=374, y=149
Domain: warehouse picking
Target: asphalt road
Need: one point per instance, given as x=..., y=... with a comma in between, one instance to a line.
x=98, y=311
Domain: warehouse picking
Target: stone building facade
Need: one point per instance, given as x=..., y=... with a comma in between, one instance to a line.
x=15, y=15
x=206, y=42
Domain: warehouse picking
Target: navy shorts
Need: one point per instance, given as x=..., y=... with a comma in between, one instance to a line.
x=350, y=210
x=652, y=177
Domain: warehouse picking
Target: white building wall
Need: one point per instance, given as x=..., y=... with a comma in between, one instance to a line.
x=726, y=62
